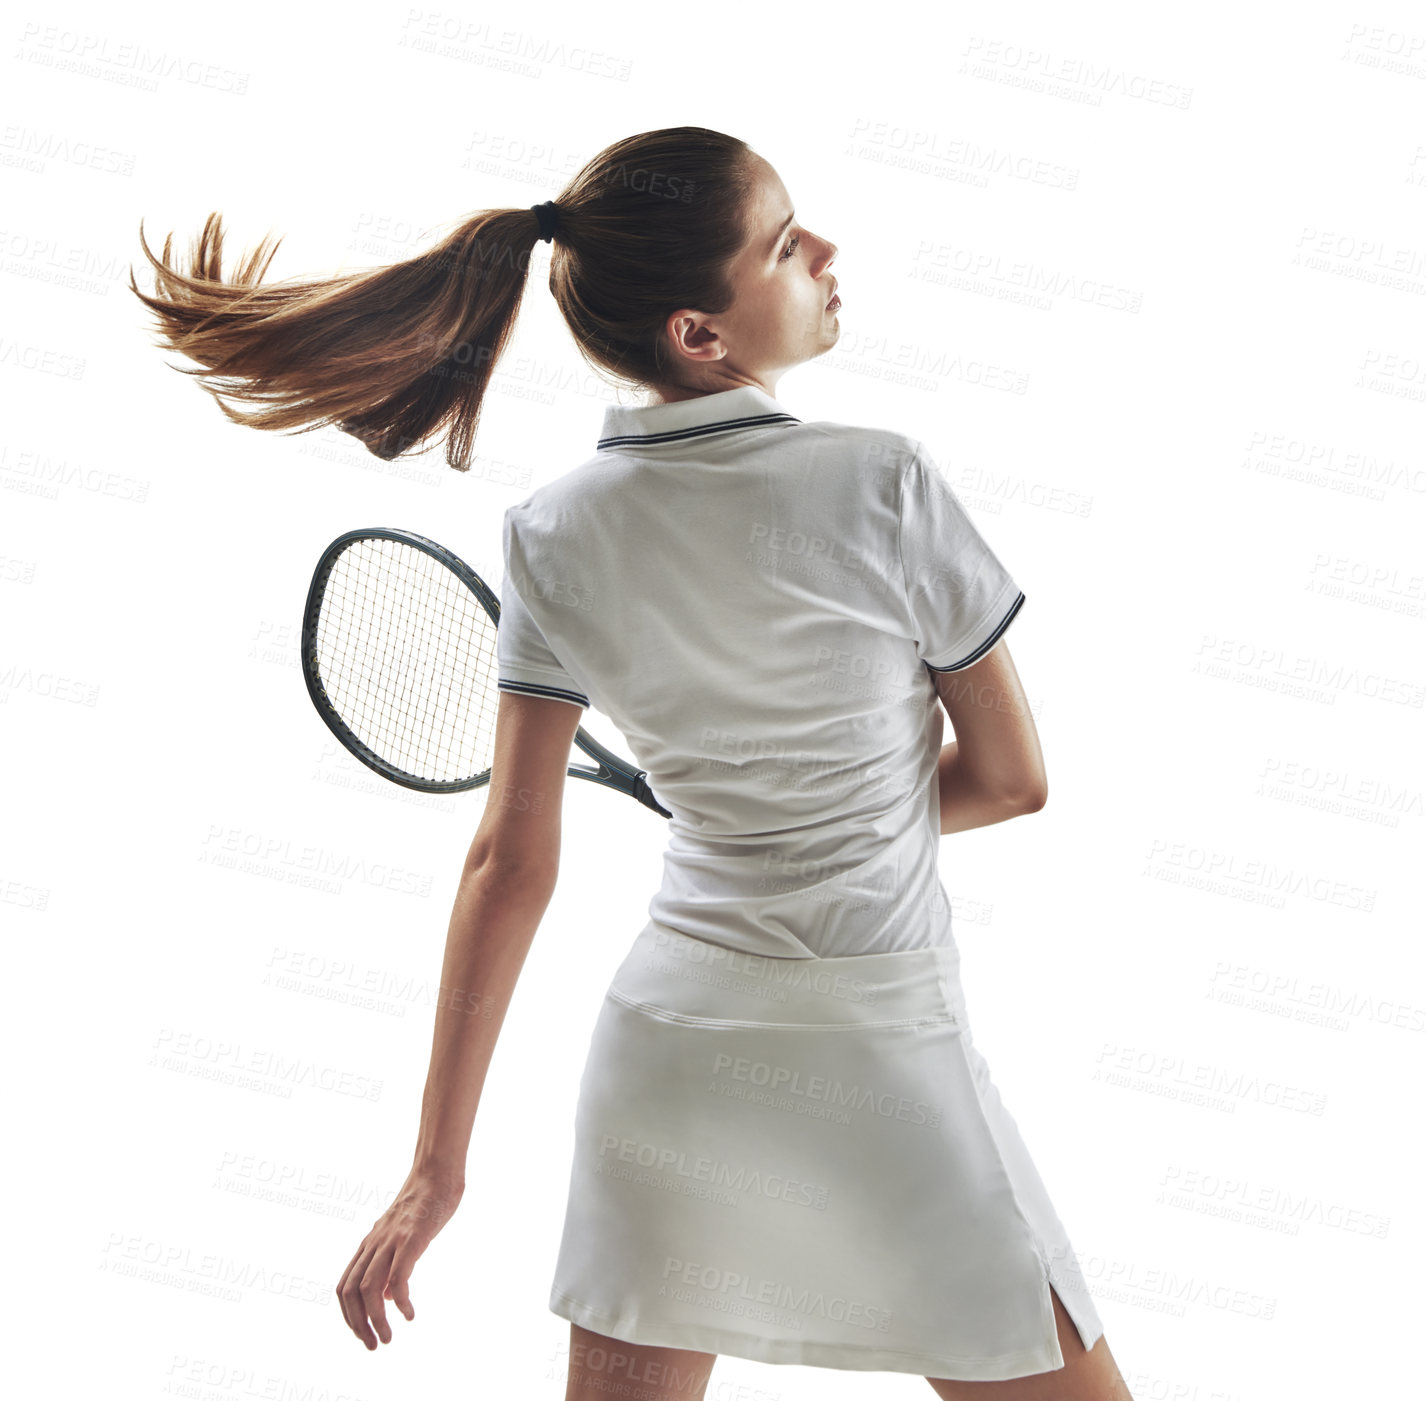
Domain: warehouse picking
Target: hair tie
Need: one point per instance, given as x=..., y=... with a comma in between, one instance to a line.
x=546, y=215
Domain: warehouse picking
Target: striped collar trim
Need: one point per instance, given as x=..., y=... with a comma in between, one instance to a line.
x=747, y=406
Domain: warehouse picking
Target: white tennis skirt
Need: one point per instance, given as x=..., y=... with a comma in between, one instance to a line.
x=805, y=1161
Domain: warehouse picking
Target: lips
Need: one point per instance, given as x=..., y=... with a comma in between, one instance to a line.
x=832, y=298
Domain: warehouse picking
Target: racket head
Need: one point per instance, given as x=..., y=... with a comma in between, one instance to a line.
x=398, y=654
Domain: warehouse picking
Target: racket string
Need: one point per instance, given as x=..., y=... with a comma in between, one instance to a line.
x=407, y=655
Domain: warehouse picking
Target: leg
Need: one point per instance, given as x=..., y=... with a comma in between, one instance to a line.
x=601, y=1368
x=1091, y=1375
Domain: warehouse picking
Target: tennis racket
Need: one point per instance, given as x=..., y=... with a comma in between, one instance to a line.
x=398, y=652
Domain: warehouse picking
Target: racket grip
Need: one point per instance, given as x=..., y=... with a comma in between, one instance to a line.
x=645, y=795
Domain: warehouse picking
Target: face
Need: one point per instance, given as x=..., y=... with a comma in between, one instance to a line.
x=779, y=318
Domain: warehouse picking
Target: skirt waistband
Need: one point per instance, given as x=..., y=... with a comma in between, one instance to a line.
x=671, y=973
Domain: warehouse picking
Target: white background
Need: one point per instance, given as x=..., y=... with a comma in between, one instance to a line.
x=1197, y=973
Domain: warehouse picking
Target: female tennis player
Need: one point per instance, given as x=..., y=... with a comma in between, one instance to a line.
x=787, y=1145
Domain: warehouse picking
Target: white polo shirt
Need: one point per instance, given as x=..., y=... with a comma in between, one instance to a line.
x=757, y=604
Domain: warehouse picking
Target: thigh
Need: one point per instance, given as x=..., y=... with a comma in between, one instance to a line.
x=601, y=1367
x=1091, y=1375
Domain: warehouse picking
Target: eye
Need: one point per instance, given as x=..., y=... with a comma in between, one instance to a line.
x=791, y=248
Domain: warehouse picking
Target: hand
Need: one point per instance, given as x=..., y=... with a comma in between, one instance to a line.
x=382, y=1265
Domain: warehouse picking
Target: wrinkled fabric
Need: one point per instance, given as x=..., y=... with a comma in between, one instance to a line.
x=805, y=1161
x=759, y=604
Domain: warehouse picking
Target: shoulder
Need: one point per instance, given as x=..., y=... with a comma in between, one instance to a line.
x=567, y=494
x=869, y=458
x=864, y=442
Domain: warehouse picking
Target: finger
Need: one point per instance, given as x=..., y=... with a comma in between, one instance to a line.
x=349, y=1293
x=342, y=1283
x=373, y=1285
x=398, y=1287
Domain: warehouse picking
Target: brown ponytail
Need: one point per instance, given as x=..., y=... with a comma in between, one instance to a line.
x=395, y=355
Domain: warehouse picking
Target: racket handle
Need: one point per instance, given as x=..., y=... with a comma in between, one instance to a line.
x=615, y=772
x=645, y=795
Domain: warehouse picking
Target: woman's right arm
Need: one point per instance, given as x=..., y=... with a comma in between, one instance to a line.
x=508, y=879
x=993, y=770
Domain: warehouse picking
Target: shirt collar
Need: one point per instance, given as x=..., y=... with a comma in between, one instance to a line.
x=746, y=406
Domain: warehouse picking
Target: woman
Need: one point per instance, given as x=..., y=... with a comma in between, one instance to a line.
x=787, y=1146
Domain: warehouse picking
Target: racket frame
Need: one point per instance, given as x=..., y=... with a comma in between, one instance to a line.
x=611, y=771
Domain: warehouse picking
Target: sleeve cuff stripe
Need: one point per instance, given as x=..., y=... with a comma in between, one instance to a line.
x=527, y=688
x=987, y=644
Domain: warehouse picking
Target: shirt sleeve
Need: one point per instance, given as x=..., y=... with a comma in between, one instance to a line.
x=960, y=596
x=525, y=662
